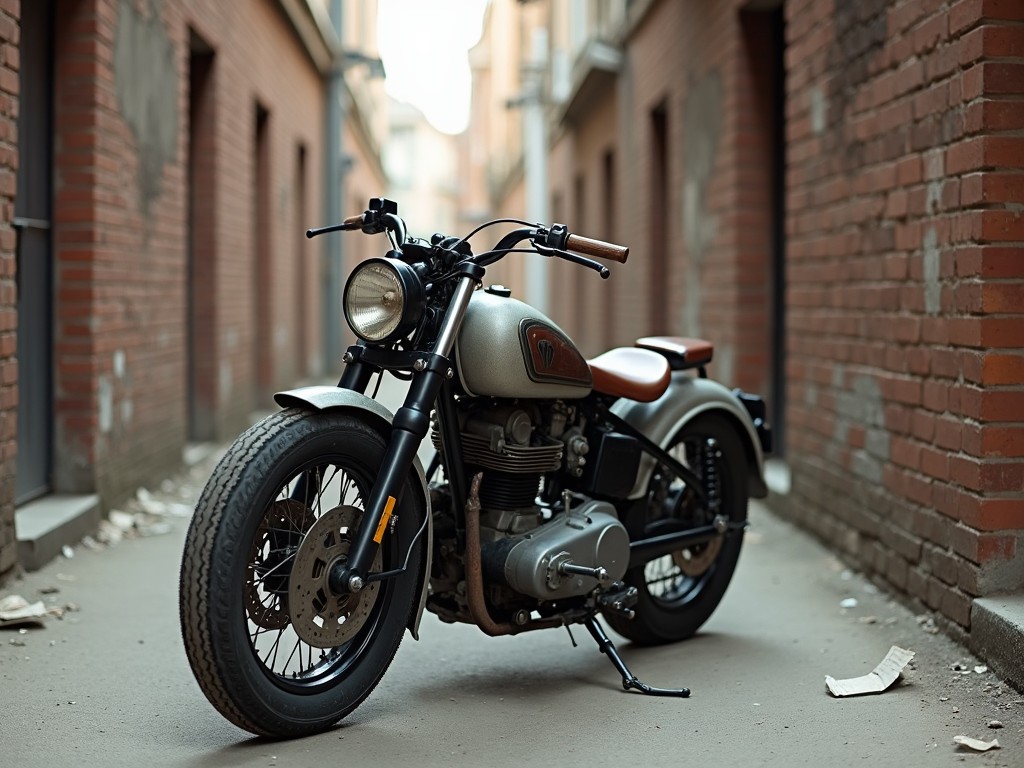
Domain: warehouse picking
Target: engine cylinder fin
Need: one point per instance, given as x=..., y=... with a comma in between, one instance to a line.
x=516, y=459
x=506, y=490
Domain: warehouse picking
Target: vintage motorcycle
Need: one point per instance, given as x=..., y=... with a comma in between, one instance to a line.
x=561, y=489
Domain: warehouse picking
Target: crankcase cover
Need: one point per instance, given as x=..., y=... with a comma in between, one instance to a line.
x=590, y=535
x=508, y=349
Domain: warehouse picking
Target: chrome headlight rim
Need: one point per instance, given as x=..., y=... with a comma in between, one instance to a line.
x=404, y=317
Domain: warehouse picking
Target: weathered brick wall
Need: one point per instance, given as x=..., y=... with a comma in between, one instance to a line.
x=584, y=300
x=906, y=290
x=9, y=15
x=691, y=61
x=258, y=61
x=118, y=250
x=904, y=256
x=121, y=228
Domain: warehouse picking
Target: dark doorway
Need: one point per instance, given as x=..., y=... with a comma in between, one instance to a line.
x=580, y=223
x=765, y=42
x=201, y=291
x=301, y=265
x=657, y=276
x=608, y=193
x=32, y=209
x=777, y=30
x=263, y=353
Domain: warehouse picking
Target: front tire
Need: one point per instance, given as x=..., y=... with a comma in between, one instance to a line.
x=677, y=593
x=266, y=495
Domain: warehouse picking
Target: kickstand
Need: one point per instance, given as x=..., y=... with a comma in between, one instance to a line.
x=629, y=680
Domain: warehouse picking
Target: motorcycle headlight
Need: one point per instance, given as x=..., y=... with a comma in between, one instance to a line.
x=384, y=300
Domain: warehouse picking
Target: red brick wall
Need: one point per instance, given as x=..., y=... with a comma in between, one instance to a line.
x=579, y=300
x=9, y=15
x=906, y=290
x=904, y=250
x=288, y=86
x=690, y=59
x=121, y=229
x=118, y=246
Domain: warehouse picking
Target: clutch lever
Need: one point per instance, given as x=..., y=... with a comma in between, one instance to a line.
x=583, y=261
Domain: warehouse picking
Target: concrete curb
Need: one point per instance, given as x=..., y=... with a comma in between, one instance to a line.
x=997, y=635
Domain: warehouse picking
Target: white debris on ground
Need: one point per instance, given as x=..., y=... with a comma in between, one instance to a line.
x=879, y=679
x=16, y=611
x=976, y=744
x=146, y=514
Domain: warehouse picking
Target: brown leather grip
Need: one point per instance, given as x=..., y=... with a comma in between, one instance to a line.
x=353, y=222
x=597, y=248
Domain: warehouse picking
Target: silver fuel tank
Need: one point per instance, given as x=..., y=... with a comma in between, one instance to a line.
x=508, y=349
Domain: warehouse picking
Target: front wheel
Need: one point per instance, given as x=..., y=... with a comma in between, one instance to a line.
x=273, y=650
x=678, y=592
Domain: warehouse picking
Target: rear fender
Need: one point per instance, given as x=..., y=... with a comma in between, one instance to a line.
x=323, y=398
x=686, y=398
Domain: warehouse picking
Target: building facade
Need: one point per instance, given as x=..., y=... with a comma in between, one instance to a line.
x=165, y=161
x=831, y=192
x=420, y=162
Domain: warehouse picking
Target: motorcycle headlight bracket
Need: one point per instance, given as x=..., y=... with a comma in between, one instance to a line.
x=383, y=300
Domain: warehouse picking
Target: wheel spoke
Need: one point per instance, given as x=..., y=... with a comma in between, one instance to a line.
x=287, y=521
x=269, y=571
x=291, y=655
x=666, y=582
x=255, y=550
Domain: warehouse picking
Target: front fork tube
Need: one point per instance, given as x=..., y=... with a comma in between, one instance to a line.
x=408, y=428
x=357, y=375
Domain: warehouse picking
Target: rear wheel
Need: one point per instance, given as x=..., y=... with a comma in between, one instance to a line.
x=679, y=592
x=273, y=650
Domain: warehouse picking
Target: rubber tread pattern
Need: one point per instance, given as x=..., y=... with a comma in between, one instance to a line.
x=247, y=461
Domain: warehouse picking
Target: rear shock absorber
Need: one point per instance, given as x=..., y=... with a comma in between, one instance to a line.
x=711, y=454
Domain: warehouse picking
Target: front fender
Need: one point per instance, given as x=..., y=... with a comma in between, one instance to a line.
x=322, y=398
x=685, y=398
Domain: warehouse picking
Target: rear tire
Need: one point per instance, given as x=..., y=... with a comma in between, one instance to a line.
x=677, y=593
x=265, y=495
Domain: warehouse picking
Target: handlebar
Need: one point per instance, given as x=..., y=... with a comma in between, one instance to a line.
x=382, y=216
x=597, y=248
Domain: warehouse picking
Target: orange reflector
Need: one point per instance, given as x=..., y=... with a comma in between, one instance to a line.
x=384, y=519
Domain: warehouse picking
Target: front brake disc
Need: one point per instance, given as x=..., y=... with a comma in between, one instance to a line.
x=320, y=618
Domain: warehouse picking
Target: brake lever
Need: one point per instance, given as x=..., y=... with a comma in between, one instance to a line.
x=583, y=261
x=351, y=223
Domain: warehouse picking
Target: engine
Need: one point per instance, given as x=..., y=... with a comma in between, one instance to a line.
x=547, y=549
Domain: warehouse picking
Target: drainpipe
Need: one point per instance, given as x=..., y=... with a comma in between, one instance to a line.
x=535, y=163
x=334, y=196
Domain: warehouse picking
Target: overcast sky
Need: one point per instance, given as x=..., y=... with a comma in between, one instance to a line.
x=424, y=46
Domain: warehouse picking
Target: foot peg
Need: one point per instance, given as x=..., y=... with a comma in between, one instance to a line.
x=629, y=680
x=619, y=599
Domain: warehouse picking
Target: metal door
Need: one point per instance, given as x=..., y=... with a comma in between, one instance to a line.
x=34, y=259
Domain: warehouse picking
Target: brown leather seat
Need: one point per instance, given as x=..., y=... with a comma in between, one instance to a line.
x=636, y=374
x=682, y=352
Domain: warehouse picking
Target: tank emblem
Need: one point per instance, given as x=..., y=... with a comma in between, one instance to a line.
x=547, y=352
x=551, y=357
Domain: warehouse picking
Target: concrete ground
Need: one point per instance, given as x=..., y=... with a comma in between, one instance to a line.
x=109, y=685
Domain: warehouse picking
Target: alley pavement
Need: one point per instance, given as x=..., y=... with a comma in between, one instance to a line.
x=108, y=683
